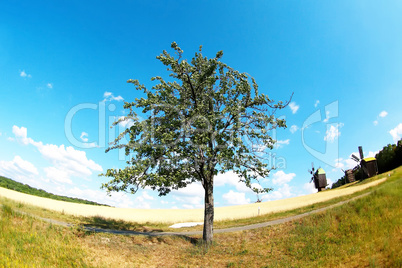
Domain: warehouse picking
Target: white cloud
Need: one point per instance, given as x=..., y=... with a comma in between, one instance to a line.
x=380, y=115
x=309, y=188
x=280, y=143
x=49, y=85
x=146, y=196
x=65, y=160
x=141, y=202
x=227, y=178
x=84, y=136
x=235, y=198
x=192, y=189
x=120, y=200
x=316, y=103
x=57, y=175
x=282, y=192
x=108, y=96
x=294, y=107
x=241, y=187
x=116, y=199
x=339, y=163
x=74, y=162
x=329, y=182
x=333, y=132
x=256, y=185
x=25, y=165
x=21, y=135
x=24, y=74
x=347, y=163
x=192, y=194
x=21, y=170
x=18, y=165
x=230, y=178
x=293, y=128
x=126, y=123
x=396, y=133
x=383, y=114
x=280, y=177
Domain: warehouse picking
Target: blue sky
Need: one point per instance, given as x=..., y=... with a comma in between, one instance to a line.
x=64, y=67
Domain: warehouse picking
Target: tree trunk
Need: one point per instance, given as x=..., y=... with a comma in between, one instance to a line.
x=208, y=211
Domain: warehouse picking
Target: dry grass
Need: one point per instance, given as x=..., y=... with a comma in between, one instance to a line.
x=364, y=233
x=135, y=251
x=27, y=242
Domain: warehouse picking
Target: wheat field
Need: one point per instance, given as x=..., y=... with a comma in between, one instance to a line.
x=183, y=215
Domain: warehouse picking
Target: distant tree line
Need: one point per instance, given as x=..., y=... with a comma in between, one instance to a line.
x=389, y=158
x=340, y=182
x=25, y=188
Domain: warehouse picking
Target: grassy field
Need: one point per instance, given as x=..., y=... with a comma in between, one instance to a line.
x=364, y=233
x=27, y=242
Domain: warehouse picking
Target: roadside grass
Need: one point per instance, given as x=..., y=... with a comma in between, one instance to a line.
x=27, y=242
x=367, y=232
x=363, y=233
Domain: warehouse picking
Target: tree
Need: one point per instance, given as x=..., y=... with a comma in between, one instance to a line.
x=389, y=157
x=209, y=119
x=385, y=158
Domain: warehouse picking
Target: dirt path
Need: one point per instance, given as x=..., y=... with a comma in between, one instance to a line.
x=216, y=231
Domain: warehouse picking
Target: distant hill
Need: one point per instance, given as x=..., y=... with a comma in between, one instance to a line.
x=26, y=189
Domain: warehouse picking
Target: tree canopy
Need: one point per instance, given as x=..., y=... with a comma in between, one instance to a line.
x=208, y=119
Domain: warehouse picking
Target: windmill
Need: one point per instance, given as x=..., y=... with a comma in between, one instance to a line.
x=368, y=165
x=349, y=174
x=319, y=177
